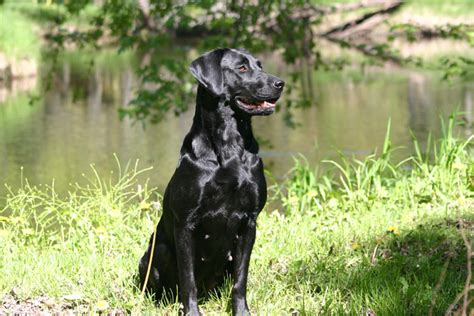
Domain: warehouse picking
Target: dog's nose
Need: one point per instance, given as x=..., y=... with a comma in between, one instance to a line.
x=278, y=84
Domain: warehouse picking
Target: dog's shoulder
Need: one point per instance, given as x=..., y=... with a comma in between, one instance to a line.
x=197, y=147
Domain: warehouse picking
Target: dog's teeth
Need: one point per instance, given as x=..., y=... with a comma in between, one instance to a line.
x=236, y=236
x=206, y=236
x=203, y=259
x=230, y=258
x=268, y=104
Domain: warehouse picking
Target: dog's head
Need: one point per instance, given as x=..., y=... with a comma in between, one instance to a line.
x=239, y=77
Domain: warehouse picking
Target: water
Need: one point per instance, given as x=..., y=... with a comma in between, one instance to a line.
x=76, y=123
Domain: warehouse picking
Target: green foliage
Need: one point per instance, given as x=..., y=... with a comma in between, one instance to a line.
x=452, y=31
x=451, y=66
x=171, y=93
x=457, y=66
x=166, y=84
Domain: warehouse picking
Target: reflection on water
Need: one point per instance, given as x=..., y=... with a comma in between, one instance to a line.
x=77, y=124
x=11, y=89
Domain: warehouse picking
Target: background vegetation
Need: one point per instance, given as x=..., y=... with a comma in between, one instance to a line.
x=166, y=36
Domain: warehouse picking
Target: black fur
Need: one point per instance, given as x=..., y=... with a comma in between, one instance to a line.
x=211, y=204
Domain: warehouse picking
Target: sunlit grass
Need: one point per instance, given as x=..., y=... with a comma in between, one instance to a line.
x=380, y=232
x=369, y=236
x=86, y=244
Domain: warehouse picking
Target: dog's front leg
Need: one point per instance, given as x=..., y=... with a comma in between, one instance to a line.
x=185, y=258
x=241, y=268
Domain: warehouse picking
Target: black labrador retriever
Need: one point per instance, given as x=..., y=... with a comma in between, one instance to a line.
x=211, y=204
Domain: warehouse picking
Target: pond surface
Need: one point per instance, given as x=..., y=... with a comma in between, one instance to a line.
x=76, y=123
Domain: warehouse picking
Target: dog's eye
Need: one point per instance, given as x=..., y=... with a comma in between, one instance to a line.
x=243, y=68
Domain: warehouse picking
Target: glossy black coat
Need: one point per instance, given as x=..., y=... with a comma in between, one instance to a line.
x=208, y=226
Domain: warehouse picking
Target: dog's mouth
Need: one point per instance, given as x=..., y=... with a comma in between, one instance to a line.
x=269, y=104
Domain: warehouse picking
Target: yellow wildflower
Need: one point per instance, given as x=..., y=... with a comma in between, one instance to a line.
x=355, y=245
x=144, y=205
x=312, y=193
x=394, y=230
x=459, y=165
x=102, y=305
x=101, y=231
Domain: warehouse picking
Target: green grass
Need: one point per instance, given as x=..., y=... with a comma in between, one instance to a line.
x=24, y=22
x=367, y=236
x=55, y=12
x=453, y=8
x=17, y=35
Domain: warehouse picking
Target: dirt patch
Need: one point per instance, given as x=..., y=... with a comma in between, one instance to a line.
x=44, y=305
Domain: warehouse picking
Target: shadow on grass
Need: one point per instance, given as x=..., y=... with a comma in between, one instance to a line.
x=393, y=274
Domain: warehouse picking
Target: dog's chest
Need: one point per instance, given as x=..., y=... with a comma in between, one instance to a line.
x=237, y=185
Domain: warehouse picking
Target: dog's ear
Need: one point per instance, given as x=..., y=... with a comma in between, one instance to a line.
x=207, y=70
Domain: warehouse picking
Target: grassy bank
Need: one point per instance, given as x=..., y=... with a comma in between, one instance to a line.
x=370, y=236
x=17, y=36
x=27, y=22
